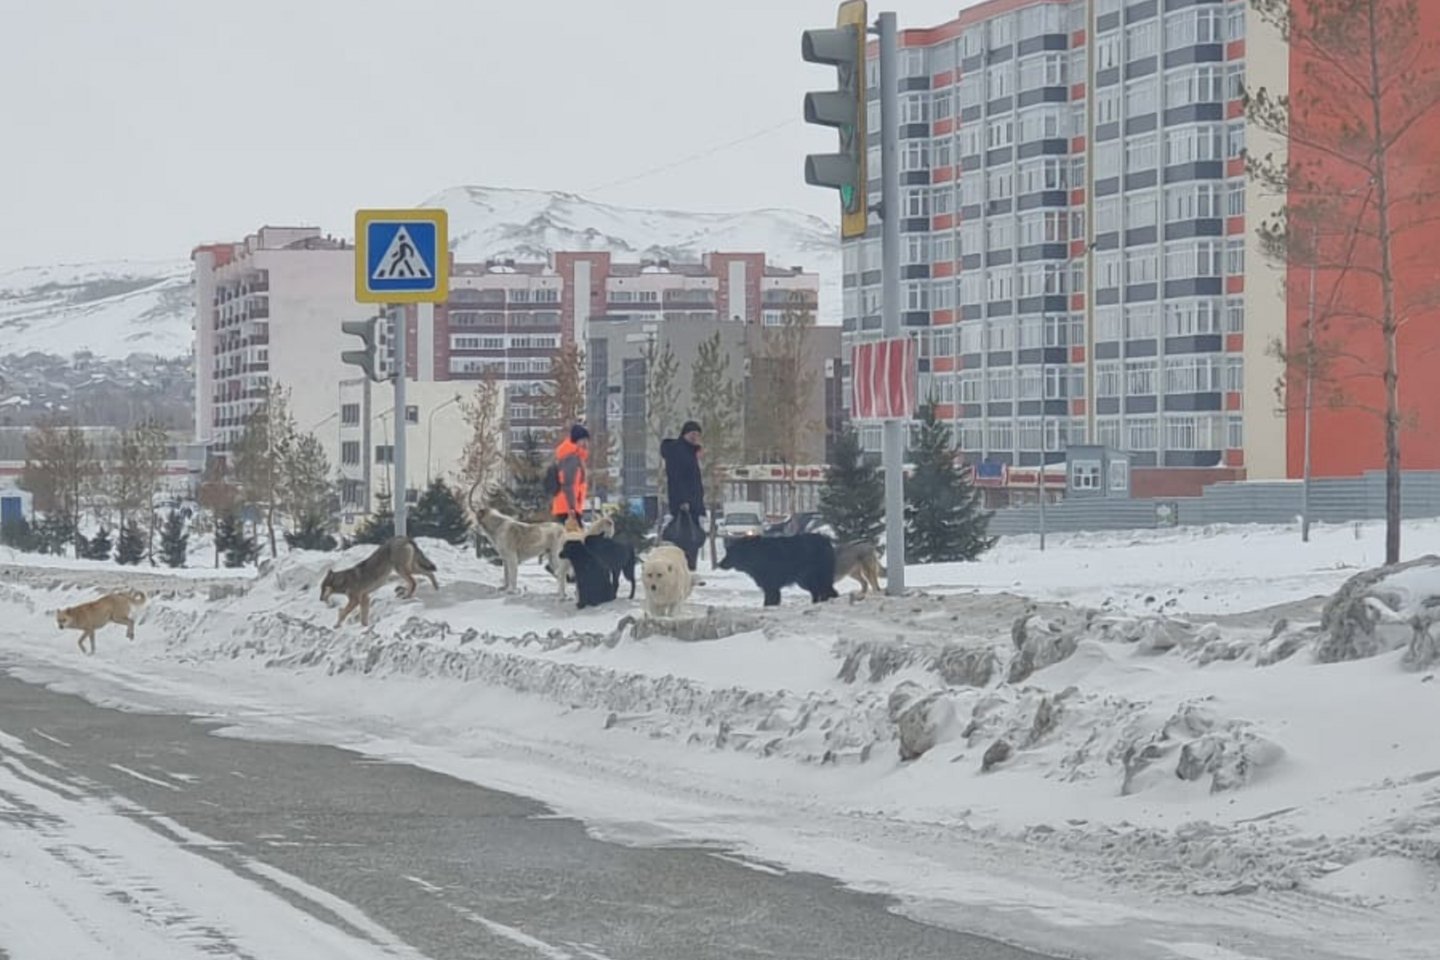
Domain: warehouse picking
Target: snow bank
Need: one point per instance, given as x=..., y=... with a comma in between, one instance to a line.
x=1104, y=746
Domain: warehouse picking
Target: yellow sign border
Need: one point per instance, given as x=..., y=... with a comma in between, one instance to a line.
x=440, y=218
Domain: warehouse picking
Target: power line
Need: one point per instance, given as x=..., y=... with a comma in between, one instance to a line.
x=708, y=152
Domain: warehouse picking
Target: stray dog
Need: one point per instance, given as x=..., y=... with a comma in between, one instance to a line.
x=396, y=555
x=517, y=541
x=858, y=560
x=602, y=527
x=593, y=583
x=617, y=557
x=667, y=580
x=806, y=560
x=89, y=617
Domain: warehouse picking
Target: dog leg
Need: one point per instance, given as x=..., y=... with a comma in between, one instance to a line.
x=350, y=604
x=772, y=598
x=129, y=628
x=512, y=574
x=410, y=585
x=364, y=609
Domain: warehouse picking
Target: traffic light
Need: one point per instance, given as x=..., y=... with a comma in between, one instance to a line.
x=842, y=47
x=367, y=359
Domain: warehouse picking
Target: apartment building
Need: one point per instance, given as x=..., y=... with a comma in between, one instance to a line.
x=268, y=310
x=1079, y=259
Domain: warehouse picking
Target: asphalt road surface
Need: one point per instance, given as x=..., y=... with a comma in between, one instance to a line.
x=453, y=870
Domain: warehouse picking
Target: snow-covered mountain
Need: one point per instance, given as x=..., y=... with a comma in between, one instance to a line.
x=117, y=308
x=112, y=309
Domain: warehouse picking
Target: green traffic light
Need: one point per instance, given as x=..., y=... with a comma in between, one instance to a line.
x=847, y=196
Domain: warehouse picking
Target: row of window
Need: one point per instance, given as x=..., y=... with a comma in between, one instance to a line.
x=463, y=342
x=513, y=367
x=1201, y=431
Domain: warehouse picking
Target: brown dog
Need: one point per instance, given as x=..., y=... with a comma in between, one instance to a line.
x=89, y=617
x=398, y=555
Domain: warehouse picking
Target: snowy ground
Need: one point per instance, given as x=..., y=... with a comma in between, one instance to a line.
x=1165, y=795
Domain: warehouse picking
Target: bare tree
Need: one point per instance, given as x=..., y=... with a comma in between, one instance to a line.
x=261, y=453
x=563, y=400
x=59, y=467
x=218, y=497
x=482, y=463
x=783, y=386
x=1367, y=79
x=715, y=403
x=662, y=399
x=135, y=475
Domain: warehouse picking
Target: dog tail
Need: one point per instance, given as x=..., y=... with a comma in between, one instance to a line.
x=422, y=561
x=137, y=596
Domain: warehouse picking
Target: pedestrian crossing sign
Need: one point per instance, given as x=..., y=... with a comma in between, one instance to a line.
x=401, y=256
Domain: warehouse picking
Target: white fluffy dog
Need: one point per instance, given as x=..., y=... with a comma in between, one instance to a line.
x=667, y=580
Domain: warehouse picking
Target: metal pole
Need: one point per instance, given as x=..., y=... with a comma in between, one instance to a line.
x=894, y=430
x=402, y=483
x=1040, y=484
x=1309, y=392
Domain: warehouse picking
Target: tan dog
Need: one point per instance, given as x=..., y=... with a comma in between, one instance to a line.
x=667, y=580
x=859, y=560
x=396, y=555
x=89, y=617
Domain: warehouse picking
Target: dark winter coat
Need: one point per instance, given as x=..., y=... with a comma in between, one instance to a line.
x=682, y=475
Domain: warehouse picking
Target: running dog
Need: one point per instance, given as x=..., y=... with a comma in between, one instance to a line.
x=859, y=560
x=397, y=555
x=89, y=617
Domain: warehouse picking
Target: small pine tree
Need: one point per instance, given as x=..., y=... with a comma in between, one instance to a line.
x=174, y=540
x=943, y=519
x=55, y=534
x=100, y=546
x=313, y=534
x=130, y=549
x=380, y=525
x=439, y=514
x=17, y=534
x=852, y=501
x=231, y=541
x=526, y=490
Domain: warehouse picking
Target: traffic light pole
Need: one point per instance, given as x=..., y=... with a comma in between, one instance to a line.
x=402, y=484
x=893, y=439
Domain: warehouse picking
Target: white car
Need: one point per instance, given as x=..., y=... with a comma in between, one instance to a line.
x=741, y=526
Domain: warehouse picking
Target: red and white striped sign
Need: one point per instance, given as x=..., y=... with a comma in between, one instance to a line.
x=884, y=378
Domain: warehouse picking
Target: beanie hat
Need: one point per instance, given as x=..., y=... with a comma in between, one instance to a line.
x=578, y=433
x=689, y=426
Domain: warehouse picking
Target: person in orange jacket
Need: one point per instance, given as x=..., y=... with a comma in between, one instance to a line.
x=570, y=457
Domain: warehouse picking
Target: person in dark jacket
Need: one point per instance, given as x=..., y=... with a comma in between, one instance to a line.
x=686, y=488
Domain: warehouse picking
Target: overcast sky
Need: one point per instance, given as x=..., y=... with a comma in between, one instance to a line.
x=139, y=128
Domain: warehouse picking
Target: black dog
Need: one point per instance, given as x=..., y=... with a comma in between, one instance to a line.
x=593, y=583
x=617, y=557
x=807, y=561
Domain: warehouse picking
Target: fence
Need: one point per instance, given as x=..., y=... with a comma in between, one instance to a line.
x=1332, y=500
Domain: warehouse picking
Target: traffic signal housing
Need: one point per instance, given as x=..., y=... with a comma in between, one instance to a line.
x=368, y=358
x=843, y=108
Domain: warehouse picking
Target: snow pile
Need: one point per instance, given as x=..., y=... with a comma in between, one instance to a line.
x=1386, y=609
x=1107, y=745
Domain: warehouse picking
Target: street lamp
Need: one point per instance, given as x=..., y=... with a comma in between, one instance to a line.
x=430, y=432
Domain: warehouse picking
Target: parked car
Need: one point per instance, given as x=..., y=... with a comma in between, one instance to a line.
x=741, y=523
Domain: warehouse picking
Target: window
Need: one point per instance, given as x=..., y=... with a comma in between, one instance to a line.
x=1141, y=434
x=1085, y=475
x=1107, y=159
x=916, y=156
x=1142, y=97
x=1193, y=144
x=999, y=284
x=1119, y=475
x=917, y=296
x=1235, y=256
x=1046, y=173
x=1235, y=198
x=1234, y=140
x=942, y=153
x=1107, y=323
x=1142, y=40
x=1057, y=331
x=1107, y=51
x=972, y=287
x=1032, y=333
x=1189, y=318
x=1235, y=81
x=998, y=82
x=1235, y=316
x=1000, y=184
x=941, y=200
x=1002, y=31
x=972, y=91
x=972, y=189
x=1029, y=433
x=1107, y=378
x=1194, y=258
x=1042, y=123
x=1107, y=106
x=1057, y=381
x=1002, y=436
x=968, y=139
x=939, y=105
x=1107, y=269
x=1142, y=322
x=942, y=248
x=917, y=203
x=1000, y=133
x=971, y=235
x=1235, y=373
x=1190, y=27
x=917, y=249
x=1192, y=201
x=1235, y=433
x=999, y=233
x=1140, y=378
x=1142, y=153
x=384, y=453
x=1107, y=431
x=349, y=414
x=970, y=386
x=1235, y=24
x=1140, y=266
x=915, y=109
x=1193, y=373
x=412, y=413
x=1001, y=384
x=1107, y=215
x=350, y=453
x=1203, y=84
x=1000, y=335
x=1141, y=209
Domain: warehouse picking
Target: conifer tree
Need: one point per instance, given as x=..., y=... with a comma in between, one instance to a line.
x=852, y=501
x=943, y=519
x=130, y=549
x=174, y=540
